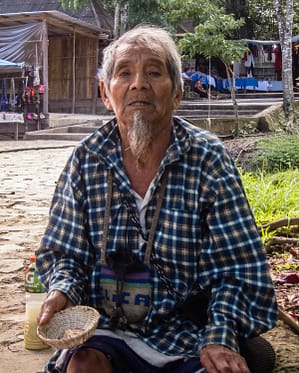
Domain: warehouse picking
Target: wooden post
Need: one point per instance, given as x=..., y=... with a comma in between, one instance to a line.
x=17, y=131
x=74, y=73
x=45, y=50
x=95, y=80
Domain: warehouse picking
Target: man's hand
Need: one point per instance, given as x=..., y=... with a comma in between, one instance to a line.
x=55, y=301
x=220, y=359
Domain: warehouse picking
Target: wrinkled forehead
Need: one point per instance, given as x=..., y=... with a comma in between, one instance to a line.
x=127, y=50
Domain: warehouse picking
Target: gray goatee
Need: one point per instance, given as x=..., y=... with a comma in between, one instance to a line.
x=139, y=137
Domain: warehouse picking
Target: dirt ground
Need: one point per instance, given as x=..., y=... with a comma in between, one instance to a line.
x=29, y=171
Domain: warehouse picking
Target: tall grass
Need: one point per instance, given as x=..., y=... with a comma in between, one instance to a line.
x=277, y=153
x=272, y=188
x=272, y=196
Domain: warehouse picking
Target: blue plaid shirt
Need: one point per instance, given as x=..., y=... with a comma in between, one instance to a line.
x=206, y=238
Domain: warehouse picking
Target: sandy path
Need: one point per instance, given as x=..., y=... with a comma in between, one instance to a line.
x=26, y=186
x=29, y=171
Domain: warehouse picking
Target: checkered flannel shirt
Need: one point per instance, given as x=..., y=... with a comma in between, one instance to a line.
x=206, y=238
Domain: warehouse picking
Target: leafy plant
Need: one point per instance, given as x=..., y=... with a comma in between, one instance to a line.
x=248, y=129
x=277, y=153
x=286, y=267
x=272, y=196
x=266, y=235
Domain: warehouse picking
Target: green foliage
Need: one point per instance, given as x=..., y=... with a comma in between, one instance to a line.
x=133, y=11
x=177, y=10
x=277, y=154
x=74, y=4
x=249, y=128
x=272, y=196
x=141, y=11
x=212, y=29
x=296, y=21
x=281, y=268
x=266, y=235
x=261, y=12
x=80, y=4
x=264, y=19
x=283, y=262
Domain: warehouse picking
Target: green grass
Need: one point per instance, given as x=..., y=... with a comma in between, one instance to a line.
x=272, y=196
x=272, y=187
x=277, y=153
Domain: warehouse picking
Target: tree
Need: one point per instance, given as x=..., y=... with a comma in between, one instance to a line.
x=127, y=13
x=140, y=11
x=211, y=36
x=263, y=15
x=111, y=5
x=117, y=16
x=276, y=20
x=241, y=10
x=284, y=12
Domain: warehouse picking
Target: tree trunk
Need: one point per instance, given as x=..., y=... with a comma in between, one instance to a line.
x=95, y=14
x=116, y=29
x=284, y=13
x=231, y=79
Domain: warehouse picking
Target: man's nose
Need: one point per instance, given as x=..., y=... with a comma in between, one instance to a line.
x=140, y=81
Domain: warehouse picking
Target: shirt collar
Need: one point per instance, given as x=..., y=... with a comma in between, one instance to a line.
x=106, y=143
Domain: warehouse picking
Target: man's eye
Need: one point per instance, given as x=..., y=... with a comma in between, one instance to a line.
x=154, y=73
x=124, y=73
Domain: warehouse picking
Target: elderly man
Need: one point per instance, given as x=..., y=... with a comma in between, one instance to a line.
x=149, y=224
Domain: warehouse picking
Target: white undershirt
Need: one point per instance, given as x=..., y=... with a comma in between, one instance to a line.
x=142, y=204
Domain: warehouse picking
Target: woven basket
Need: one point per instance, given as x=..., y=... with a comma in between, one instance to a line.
x=69, y=327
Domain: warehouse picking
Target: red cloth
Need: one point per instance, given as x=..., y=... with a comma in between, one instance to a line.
x=277, y=62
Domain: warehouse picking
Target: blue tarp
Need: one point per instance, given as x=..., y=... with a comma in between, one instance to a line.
x=8, y=66
x=295, y=38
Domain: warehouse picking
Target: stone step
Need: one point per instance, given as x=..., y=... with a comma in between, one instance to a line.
x=217, y=113
x=71, y=132
x=75, y=128
x=221, y=106
x=45, y=135
x=258, y=95
x=82, y=129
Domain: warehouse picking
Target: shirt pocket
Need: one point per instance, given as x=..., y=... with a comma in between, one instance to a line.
x=177, y=245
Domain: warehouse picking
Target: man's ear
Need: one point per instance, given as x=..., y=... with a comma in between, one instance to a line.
x=104, y=96
x=177, y=98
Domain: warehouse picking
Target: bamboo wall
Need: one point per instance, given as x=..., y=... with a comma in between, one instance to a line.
x=62, y=96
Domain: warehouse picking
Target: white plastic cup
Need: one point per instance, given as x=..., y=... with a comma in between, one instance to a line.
x=33, y=306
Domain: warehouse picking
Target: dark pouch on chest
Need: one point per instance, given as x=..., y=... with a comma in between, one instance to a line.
x=122, y=262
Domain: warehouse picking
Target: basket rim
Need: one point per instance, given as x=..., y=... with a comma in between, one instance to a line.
x=70, y=341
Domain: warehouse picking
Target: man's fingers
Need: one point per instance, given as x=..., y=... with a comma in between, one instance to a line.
x=220, y=359
x=56, y=301
x=46, y=314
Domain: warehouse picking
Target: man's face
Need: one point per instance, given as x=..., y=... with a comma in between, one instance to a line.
x=141, y=84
